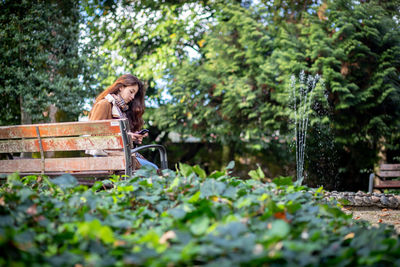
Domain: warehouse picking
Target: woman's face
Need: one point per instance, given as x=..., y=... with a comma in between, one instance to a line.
x=128, y=93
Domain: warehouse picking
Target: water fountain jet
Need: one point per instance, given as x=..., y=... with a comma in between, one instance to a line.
x=302, y=108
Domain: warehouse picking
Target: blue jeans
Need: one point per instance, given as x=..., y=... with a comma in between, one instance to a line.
x=144, y=162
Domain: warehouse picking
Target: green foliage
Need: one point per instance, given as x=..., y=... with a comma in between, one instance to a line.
x=147, y=38
x=182, y=218
x=236, y=91
x=224, y=96
x=44, y=61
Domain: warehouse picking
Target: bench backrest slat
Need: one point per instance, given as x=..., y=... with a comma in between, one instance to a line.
x=104, y=127
x=62, y=144
x=388, y=174
x=389, y=170
x=63, y=164
x=389, y=167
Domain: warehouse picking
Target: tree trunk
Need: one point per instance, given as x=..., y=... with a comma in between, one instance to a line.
x=52, y=113
x=226, y=155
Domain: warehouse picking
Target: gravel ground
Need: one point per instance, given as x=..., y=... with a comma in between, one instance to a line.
x=376, y=215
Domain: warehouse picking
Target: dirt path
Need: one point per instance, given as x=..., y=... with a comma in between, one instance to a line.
x=375, y=215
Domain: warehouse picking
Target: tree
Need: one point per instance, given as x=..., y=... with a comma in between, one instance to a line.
x=355, y=46
x=44, y=62
x=224, y=96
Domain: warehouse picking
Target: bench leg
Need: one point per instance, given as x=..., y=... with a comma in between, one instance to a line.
x=371, y=183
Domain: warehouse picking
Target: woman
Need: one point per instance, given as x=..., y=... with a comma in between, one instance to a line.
x=123, y=99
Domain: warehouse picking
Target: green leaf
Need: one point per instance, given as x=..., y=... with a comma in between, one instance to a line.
x=212, y=188
x=96, y=186
x=25, y=193
x=257, y=174
x=292, y=206
x=128, y=188
x=279, y=229
x=185, y=169
x=199, y=225
x=216, y=174
x=174, y=184
x=5, y=221
x=199, y=171
x=13, y=177
x=195, y=197
x=177, y=213
x=319, y=190
x=283, y=181
x=65, y=181
x=93, y=229
x=106, y=235
x=231, y=165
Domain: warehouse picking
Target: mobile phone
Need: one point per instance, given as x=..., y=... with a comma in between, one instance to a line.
x=143, y=131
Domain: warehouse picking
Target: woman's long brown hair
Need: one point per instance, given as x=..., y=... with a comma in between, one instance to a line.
x=136, y=106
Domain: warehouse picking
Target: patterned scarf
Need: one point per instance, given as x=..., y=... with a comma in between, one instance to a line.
x=119, y=105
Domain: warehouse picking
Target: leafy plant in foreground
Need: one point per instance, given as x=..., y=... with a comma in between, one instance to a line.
x=182, y=218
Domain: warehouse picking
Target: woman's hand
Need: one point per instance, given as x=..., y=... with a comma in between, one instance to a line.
x=137, y=138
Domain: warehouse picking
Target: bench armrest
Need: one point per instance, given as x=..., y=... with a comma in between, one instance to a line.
x=161, y=149
x=371, y=182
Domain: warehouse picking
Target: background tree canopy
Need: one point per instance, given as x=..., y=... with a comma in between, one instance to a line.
x=46, y=67
x=220, y=71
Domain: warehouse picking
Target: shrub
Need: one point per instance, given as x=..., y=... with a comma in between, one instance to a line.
x=182, y=218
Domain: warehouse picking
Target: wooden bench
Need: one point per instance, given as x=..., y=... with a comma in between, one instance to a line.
x=380, y=179
x=70, y=136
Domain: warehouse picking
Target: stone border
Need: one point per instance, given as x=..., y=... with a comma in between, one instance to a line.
x=361, y=199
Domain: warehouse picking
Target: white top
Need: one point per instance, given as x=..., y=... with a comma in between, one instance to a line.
x=116, y=113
